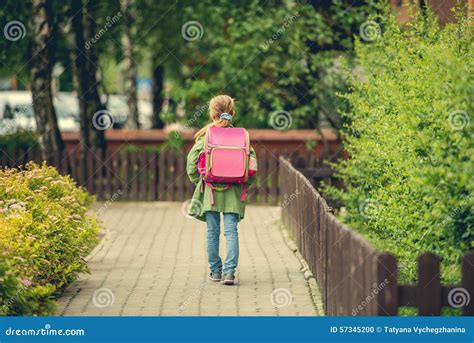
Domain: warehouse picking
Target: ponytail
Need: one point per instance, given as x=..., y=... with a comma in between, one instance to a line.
x=218, y=123
x=218, y=106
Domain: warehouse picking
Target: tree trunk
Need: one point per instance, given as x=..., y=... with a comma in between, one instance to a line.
x=157, y=93
x=129, y=65
x=103, y=119
x=94, y=118
x=42, y=62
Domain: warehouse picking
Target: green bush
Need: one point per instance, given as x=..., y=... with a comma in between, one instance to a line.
x=45, y=234
x=410, y=173
x=20, y=139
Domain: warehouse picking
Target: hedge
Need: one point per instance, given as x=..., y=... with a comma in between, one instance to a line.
x=45, y=234
x=410, y=138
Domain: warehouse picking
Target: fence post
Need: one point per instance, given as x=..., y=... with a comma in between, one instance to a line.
x=99, y=177
x=467, y=282
x=274, y=178
x=386, y=286
x=428, y=289
x=89, y=177
x=154, y=175
x=161, y=175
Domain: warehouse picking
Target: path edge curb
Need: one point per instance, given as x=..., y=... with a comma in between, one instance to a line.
x=314, y=290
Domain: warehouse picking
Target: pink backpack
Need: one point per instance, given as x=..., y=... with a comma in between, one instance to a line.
x=226, y=159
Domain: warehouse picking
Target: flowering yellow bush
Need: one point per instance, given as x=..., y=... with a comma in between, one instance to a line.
x=45, y=234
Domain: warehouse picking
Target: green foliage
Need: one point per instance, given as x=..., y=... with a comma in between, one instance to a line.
x=271, y=56
x=21, y=139
x=410, y=174
x=174, y=141
x=45, y=234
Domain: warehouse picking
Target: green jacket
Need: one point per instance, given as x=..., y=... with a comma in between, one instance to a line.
x=224, y=201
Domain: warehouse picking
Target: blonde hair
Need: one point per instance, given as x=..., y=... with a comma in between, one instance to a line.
x=218, y=105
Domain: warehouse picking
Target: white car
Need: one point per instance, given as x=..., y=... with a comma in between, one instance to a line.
x=16, y=111
x=118, y=108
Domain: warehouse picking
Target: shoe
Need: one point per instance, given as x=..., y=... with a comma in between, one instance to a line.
x=228, y=279
x=216, y=277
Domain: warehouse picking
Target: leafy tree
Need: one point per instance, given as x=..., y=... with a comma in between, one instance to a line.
x=159, y=40
x=15, y=51
x=44, y=31
x=85, y=59
x=410, y=141
x=128, y=35
x=280, y=55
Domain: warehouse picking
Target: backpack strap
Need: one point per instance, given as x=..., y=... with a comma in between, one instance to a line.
x=247, y=155
x=244, y=192
x=212, y=188
x=207, y=152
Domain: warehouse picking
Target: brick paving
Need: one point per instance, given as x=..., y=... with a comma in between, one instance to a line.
x=152, y=261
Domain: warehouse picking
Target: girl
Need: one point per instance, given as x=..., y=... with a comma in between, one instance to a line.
x=221, y=112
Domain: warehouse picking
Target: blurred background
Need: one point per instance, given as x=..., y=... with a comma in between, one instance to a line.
x=110, y=93
x=155, y=64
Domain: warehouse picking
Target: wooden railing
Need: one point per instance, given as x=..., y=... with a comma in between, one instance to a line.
x=355, y=278
x=144, y=174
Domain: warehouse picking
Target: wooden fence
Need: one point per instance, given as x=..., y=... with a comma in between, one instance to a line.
x=149, y=175
x=355, y=278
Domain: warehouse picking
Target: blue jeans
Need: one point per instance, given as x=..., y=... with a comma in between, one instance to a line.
x=231, y=220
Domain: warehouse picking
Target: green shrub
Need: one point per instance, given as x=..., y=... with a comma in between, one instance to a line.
x=409, y=177
x=45, y=234
x=21, y=139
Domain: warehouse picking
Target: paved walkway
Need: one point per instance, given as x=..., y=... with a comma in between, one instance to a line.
x=152, y=261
